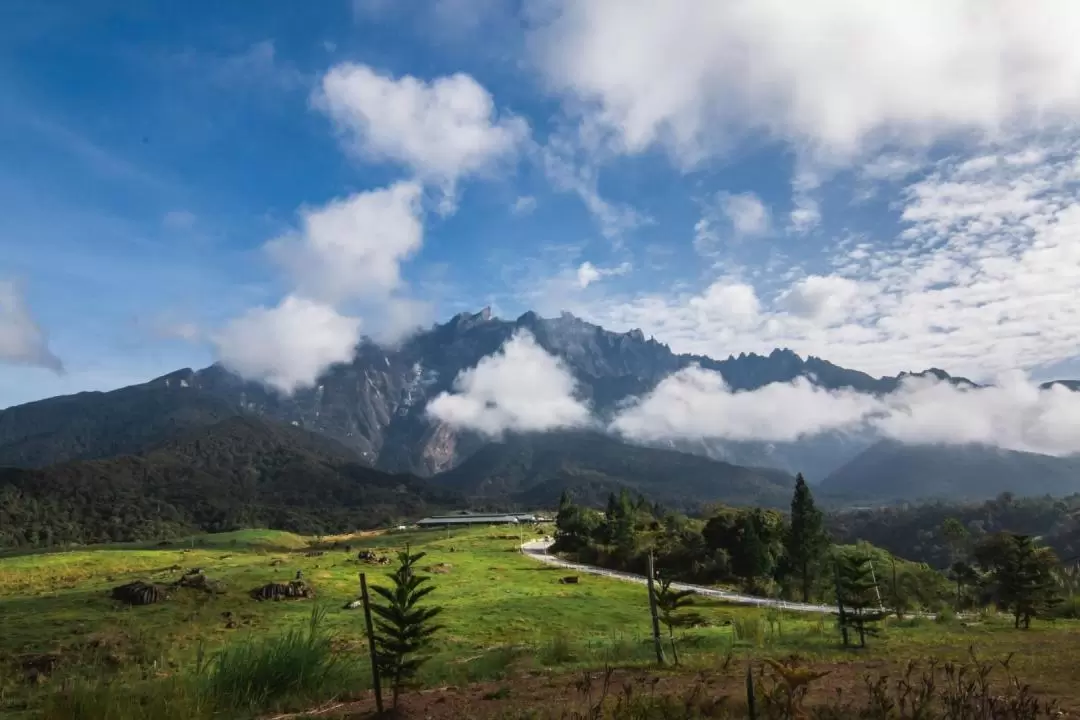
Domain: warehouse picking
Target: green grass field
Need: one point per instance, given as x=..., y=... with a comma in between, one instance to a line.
x=502, y=610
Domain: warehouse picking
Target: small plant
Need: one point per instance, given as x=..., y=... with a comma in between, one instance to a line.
x=403, y=628
x=670, y=605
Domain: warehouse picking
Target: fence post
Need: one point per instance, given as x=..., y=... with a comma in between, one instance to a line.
x=371, y=643
x=652, y=610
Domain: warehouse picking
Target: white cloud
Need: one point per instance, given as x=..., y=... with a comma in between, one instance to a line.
x=836, y=76
x=178, y=220
x=697, y=403
x=442, y=130
x=1014, y=414
x=287, y=347
x=524, y=205
x=587, y=273
x=353, y=247
x=746, y=213
x=824, y=299
x=729, y=302
x=22, y=341
x=520, y=388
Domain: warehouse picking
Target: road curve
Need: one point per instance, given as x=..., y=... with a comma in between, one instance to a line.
x=538, y=550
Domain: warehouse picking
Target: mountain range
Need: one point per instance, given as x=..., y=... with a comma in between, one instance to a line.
x=374, y=408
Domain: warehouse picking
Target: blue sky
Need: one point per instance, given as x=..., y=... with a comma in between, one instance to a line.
x=722, y=188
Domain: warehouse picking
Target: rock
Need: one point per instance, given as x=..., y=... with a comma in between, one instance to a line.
x=569, y=580
x=140, y=593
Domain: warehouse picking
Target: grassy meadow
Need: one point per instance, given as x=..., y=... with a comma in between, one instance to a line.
x=62, y=635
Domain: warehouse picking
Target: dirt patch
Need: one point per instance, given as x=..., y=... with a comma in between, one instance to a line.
x=541, y=695
x=439, y=569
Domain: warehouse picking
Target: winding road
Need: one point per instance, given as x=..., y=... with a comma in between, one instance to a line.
x=538, y=550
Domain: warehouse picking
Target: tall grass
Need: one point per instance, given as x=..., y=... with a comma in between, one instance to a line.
x=299, y=665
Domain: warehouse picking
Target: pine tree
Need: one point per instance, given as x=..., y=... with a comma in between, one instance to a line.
x=1025, y=579
x=403, y=629
x=806, y=541
x=858, y=596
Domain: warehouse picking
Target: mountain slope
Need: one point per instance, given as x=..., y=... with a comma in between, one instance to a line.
x=243, y=472
x=535, y=469
x=890, y=471
x=375, y=405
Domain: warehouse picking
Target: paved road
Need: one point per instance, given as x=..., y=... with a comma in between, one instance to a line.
x=538, y=550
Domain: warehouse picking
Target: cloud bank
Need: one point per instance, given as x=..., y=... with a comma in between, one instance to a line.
x=1013, y=414
x=520, y=388
x=22, y=341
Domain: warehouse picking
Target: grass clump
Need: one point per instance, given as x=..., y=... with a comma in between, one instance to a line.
x=299, y=665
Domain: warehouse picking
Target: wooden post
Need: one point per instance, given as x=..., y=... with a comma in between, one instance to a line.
x=371, y=643
x=657, y=642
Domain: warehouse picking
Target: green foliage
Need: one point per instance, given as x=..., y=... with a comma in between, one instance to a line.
x=243, y=472
x=670, y=606
x=403, y=628
x=806, y=541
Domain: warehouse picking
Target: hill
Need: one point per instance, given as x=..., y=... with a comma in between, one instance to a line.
x=889, y=471
x=534, y=469
x=242, y=472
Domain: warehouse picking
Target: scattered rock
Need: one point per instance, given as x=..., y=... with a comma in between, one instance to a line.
x=140, y=593
x=569, y=580
x=314, y=553
x=353, y=604
x=283, y=591
x=196, y=580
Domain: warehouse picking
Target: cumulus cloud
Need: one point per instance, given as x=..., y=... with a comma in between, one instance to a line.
x=442, y=130
x=1013, y=414
x=22, y=341
x=823, y=299
x=587, y=273
x=746, y=213
x=353, y=247
x=520, y=388
x=834, y=76
x=288, y=346
x=727, y=301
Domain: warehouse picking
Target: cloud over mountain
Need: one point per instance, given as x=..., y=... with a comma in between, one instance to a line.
x=520, y=388
x=1015, y=414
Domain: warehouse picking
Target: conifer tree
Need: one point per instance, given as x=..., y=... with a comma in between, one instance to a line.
x=403, y=628
x=858, y=596
x=806, y=541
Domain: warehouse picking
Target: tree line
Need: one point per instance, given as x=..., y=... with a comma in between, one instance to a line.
x=795, y=556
